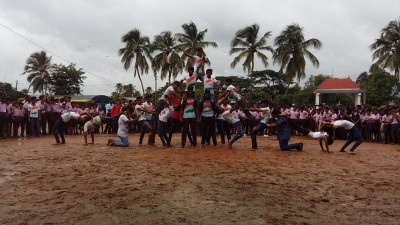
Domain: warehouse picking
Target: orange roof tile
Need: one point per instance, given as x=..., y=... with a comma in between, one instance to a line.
x=338, y=83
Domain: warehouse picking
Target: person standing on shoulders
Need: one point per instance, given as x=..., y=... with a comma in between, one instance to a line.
x=199, y=60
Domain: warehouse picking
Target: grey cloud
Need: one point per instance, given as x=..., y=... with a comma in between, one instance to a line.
x=88, y=32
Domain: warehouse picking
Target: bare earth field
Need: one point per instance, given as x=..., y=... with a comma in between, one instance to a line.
x=97, y=184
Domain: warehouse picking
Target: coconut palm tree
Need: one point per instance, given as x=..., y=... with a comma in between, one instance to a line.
x=190, y=40
x=136, y=50
x=119, y=88
x=38, y=68
x=247, y=44
x=291, y=51
x=164, y=45
x=387, y=48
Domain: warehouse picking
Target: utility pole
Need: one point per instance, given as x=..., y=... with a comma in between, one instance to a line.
x=16, y=85
x=155, y=87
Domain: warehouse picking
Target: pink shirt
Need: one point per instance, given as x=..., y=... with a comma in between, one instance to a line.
x=303, y=115
x=3, y=107
x=385, y=119
x=294, y=115
x=56, y=107
x=395, y=120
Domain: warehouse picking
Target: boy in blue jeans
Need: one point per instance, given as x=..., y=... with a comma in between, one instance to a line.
x=283, y=132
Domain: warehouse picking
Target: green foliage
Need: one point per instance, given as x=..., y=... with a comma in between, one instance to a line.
x=57, y=79
x=292, y=50
x=137, y=50
x=38, y=67
x=149, y=91
x=269, y=84
x=190, y=40
x=124, y=91
x=163, y=45
x=6, y=90
x=336, y=99
x=284, y=100
x=380, y=86
x=314, y=81
x=241, y=83
x=247, y=45
x=387, y=48
x=66, y=80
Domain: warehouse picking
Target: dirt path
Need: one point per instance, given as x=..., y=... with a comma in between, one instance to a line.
x=97, y=184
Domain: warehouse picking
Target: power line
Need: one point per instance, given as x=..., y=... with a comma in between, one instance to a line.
x=65, y=60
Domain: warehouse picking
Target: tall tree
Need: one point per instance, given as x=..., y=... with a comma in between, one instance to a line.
x=137, y=49
x=7, y=90
x=190, y=40
x=387, y=48
x=271, y=82
x=164, y=46
x=129, y=90
x=247, y=44
x=381, y=87
x=66, y=80
x=38, y=68
x=119, y=88
x=149, y=91
x=362, y=79
x=291, y=51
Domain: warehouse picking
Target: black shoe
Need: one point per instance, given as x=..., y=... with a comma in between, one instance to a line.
x=301, y=147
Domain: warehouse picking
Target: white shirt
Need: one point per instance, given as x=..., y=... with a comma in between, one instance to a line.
x=225, y=108
x=233, y=93
x=167, y=92
x=317, y=135
x=33, y=110
x=197, y=63
x=68, y=115
x=190, y=81
x=343, y=123
x=228, y=117
x=209, y=83
x=122, y=126
x=207, y=109
x=148, y=106
x=265, y=115
x=139, y=112
x=165, y=114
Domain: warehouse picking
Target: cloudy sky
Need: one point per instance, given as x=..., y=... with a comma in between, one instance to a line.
x=88, y=32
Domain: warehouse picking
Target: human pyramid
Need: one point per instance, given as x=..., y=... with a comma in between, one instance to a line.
x=184, y=112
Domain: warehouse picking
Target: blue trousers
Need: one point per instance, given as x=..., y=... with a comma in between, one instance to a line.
x=285, y=146
x=144, y=126
x=124, y=142
x=355, y=135
x=254, y=132
x=161, y=130
x=239, y=132
x=35, y=126
x=58, y=129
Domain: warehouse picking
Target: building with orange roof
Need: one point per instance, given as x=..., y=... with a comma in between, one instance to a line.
x=339, y=85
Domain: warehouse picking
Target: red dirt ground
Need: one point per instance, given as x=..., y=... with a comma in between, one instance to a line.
x=97, y=184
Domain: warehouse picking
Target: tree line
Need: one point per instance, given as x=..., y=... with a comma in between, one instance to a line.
x=290, y=50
